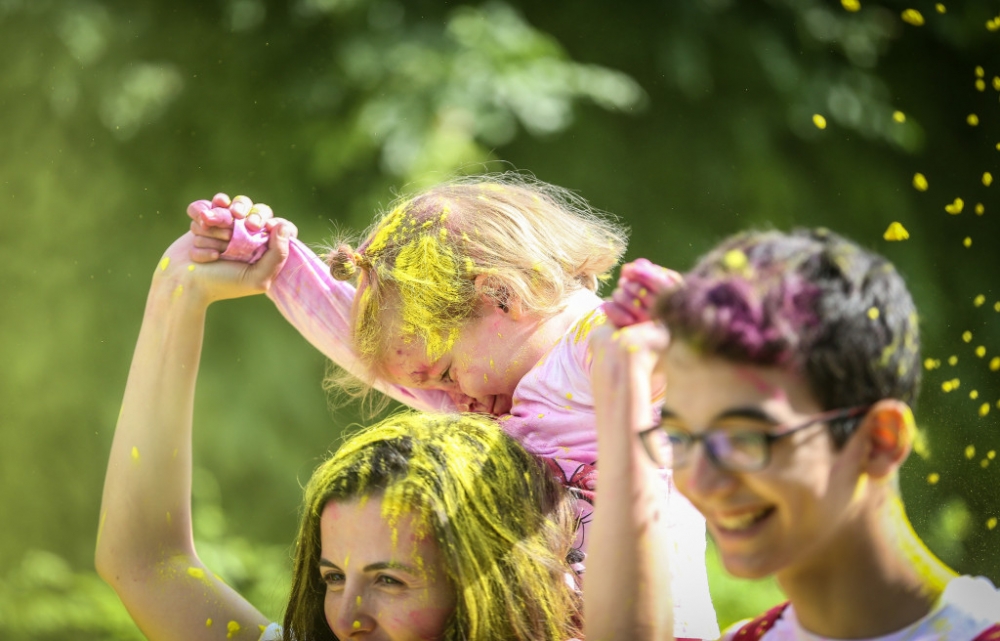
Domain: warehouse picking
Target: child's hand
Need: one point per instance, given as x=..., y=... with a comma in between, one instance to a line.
x=639, y=285
x=212, y=223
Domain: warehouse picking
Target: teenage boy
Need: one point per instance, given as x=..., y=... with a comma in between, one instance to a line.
x=790, y=368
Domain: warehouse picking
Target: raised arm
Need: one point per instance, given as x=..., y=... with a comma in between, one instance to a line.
x=313, y=301
x=627, y=586
x=145, y=547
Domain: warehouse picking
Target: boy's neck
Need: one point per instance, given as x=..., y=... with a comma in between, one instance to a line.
x=875, y=578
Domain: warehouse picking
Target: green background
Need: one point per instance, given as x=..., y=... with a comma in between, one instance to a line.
x=690, y=120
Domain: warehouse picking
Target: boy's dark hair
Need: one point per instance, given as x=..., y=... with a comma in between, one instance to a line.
x=808, y=300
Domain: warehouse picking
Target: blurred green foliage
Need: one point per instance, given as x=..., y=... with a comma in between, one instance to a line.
x=690, y=120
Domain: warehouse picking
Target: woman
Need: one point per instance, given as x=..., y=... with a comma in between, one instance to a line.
x=419, y=528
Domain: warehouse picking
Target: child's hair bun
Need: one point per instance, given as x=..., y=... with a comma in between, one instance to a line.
x=343, y=262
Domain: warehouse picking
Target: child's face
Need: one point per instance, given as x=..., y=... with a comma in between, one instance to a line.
x=490, y=356
x=790, y=515
x=383, y=580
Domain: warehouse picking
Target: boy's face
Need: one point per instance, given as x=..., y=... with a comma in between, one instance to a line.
x=788, y=515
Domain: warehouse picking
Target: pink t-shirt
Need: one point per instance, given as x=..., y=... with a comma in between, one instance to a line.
x=552, y=413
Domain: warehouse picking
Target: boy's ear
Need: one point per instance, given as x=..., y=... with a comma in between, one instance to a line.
x=889, y=430
x=495, y=294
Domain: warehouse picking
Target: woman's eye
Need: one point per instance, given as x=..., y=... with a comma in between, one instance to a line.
x=388, y=580
x=333, y=578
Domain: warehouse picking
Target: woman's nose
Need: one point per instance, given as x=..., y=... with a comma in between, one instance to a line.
x=352, y=617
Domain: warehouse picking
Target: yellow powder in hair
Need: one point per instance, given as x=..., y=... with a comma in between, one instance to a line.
x=873, y=313
x=382, y=235
x=427, y=275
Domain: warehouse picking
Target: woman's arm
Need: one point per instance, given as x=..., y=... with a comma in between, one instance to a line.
x=145, y=548
x=627, y=585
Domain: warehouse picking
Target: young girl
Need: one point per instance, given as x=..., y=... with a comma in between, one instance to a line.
x=476, y=295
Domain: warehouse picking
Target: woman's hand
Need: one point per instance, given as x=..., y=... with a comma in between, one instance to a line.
x=195, y=256
x=639, y=285
x=212, y=223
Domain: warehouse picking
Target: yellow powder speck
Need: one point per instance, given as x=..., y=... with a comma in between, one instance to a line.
x=987, y=178
x=356, y=625
x=970, y=451
x=899, y=116
x=979, y=300
x=208, y=623
x=819, y=121
x=896, y=231
x=357, y=601
x=946, y=386
x=968, y=241
x=636, y=302
x=170, y=519
x=931, y=363
x=980, y=209
x=920, y=182
x=569, y=396
x=912, y=16
x=991, y=455
x=178, y=291
x=873, y=313
x=991, y=523
x=486, y=379
x=993, y=24
x=734, y=259
x=190, y=268
x=984, y=409
x=953, y=360
x=980, y=84
x=232, y=628
x=985, y=463
x=261, y=627
x=196, y=573
x=981, y=351
x=995, y=363
x=972, y=119
x=920, y=445
x=933, y=478
x=940, y=8
x=541, y=416
x=164, y=263
x=996, y=82
x=850, y=5
x=996, y=306
x=966, y=336
x=955, y=207
x=100, y=526
x=135, y=453
x=980, y=72
x=974, y=394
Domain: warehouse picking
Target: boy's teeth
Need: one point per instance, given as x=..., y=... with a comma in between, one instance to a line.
x=742, y=521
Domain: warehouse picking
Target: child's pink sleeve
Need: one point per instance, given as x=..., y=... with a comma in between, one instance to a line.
x=319, y=307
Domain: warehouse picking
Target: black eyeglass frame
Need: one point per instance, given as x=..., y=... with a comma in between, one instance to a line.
x=768, y=438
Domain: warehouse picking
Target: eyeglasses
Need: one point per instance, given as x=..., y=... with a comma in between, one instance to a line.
x=740, y=447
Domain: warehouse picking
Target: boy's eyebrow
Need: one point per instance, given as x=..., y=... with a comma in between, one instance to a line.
x=751, y=413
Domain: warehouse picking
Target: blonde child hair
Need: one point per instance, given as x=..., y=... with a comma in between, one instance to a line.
x=424, y=266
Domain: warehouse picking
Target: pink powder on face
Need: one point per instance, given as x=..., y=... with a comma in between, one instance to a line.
x=775, y=392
